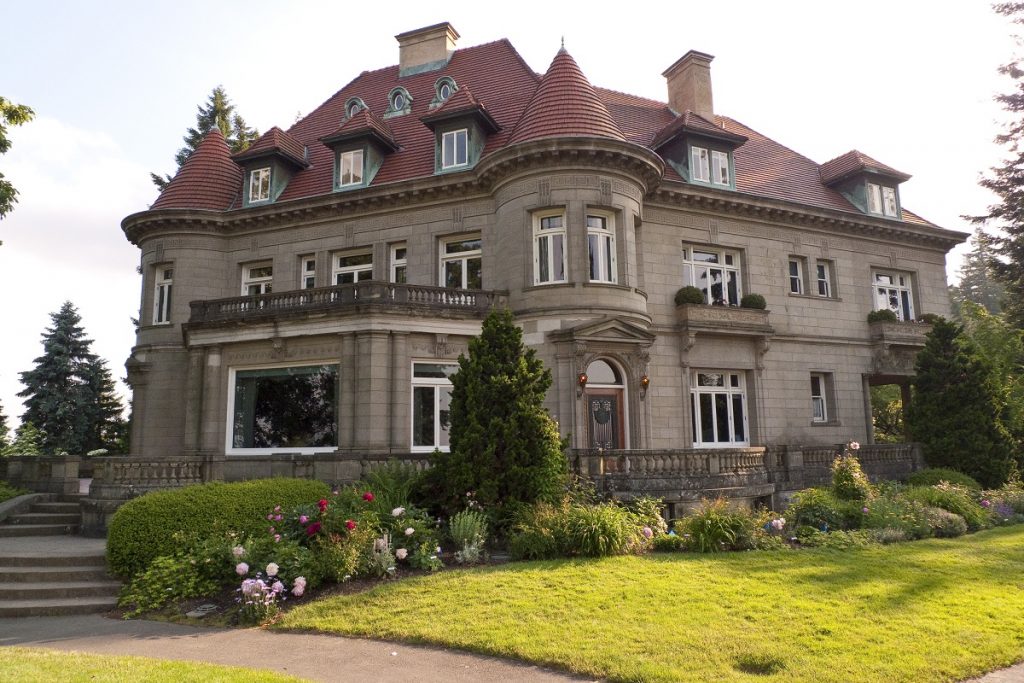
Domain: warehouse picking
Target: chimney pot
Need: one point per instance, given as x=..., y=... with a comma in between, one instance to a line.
x=689, y=84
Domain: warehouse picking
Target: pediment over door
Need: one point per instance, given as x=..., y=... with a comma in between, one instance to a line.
x=613, y=338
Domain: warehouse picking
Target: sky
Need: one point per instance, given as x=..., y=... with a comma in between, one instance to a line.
x=115, y=85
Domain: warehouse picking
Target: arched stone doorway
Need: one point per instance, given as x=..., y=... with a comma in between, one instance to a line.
x=606, y=406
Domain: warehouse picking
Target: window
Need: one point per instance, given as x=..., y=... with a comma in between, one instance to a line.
x=718, y=406
x=431, y=396
x=549, y=257
x=162, y=295
x=353, y=106
x=352, y=267
x=892, y=291
x=455, y=148
x=307, y=272
x=443, y=89
x=719, y=168
x=601, y=245
x=399, y=102
x=257, y=278
x=796, y=275
x=823, y=272
x=284, y=408
x=398, y=263
x=699, y=168
x=259, y=185
x=819, y=402
x=882, y=200
x=350, y=168
x=709, y=166
x=714, y=272
x=460, y=263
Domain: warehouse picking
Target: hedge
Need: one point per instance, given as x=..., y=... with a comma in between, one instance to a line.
x=143, y=529
x=934, y=475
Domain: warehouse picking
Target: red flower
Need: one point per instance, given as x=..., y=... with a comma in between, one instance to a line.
x=322, y=504
x=350, y=525
x=312, y=528
x=368, y=497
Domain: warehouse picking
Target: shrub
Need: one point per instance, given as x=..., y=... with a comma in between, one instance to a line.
x=166, y=579
x=339, y=557
x=392, y=485
x=848, y=480
x=1011, y=495
x=887, y=535
x=816, y=508
x=669, y=543
x=834, y=540
x=945, y=524
x=952, y=498
x=144, y=528
x=898, y=513
x=753, y=301
x=648, y=513
x=600, y=530
x=934, y=475
x=883, y=316
x=7, y=491
x=715, y=526
x=468, y=531
x=689, y=295
x=537, y=532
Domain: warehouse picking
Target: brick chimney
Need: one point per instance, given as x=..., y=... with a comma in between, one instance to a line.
x=689, y=84
x=425, y=49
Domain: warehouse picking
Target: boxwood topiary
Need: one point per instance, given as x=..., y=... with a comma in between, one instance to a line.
x=753, y=301
x=689, y=295
x=883, y=316
x=143, y=529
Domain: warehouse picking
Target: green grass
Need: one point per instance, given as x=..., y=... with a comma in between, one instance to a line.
x=937, y=610
x=19, y=664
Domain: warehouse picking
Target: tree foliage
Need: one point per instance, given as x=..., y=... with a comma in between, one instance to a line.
x=10, y=115
x=978, y=283
x=1002, y=347
x=69, y=393
x=505, y=447
x=956, y=409
x=220, y=112
x=27, y=441
x=5, y=431
x=887, y=414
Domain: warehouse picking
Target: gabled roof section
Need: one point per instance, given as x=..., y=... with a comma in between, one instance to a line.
x=275, y=142
x=364, y=124
x=854, y=162
x=695, y=124
x=565, y=105
x=208, y=179
x=460, y=104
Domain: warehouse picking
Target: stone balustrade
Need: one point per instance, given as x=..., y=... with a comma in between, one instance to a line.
x=43, y=474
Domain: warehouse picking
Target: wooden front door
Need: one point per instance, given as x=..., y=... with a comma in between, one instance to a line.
x=604, y=418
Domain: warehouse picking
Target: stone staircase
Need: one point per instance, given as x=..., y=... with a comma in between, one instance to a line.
x=45, y=570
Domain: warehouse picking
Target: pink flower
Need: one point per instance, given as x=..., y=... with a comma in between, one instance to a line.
x=277, y=508
x=409, y=531
x=986, y=503
x=241, y=569
x=270, y=517
x=271, y=530
x=277, y=538
x=299, y=586
x=312, y=529
x=322, y=504
x=398, y=512
x=350, y=525
x=303, y=519
x=646, y=531
x=238, y=551
x=277, y=587
x=864, y=510
x=272, y=569
x=368, y=497
x=278, y=518
x=401, y=553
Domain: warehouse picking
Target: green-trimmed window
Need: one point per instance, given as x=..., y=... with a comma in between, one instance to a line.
x=284, y=408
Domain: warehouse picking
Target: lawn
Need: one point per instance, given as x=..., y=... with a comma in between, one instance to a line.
x=19, y=664
x=936, y=610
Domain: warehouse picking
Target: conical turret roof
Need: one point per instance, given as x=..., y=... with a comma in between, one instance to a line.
x=208, y=179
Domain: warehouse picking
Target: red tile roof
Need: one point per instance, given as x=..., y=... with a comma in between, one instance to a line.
x=275, y=141
x=856, y=162
x=363, y=124
x=208, y=179
x=565, y=105
x=462, y=103
x=690, y=122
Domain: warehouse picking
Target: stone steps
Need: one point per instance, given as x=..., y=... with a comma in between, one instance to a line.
x=18, y=575
x=16, y=530
x=67, y=518
x=56, y=607
x=54, y=590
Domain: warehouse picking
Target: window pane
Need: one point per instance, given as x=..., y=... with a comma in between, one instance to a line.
x=595, y=273
x=734, y=289
x=357, y=167
x=597, y=222
x=722, y=417
x=443, y=414
x=707, y=419
x=400, y=275
x=550, y=222
x=693, y=416
x=435, y=370
x=717, y=289
x=737, y=419
x=453, y=274
x=819, y=408
x=473, y=277
x=544, y=271
x=423, y=416
x=447, y=150
x=363, y=275
x=600, y=372
x=460, y=246
x=285, y=407
x=608, y=274
x=355, y=260
x=705, y=257
x=460, y=147
x=558, y=255
x=710, y=380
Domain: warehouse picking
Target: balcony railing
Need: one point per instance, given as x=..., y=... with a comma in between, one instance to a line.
x=723, y=319
x=349, y=296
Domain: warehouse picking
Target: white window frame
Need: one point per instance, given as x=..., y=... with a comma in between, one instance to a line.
x=823, y=279
x=307, y=271
x=720, y=171
x=259, y=185
x=440, y=386
x=796, y=279
x=729, y=263
x=450, y=143
x=819, y=398
x=263, y=283
x=700, y=164
x=731, y=392
x=399, y=263
x=887, y=285
x=341, y=269
x=874, y=198
x=348, y=163
x=546, y=236
x=464, y=256
x=601, y=232
x=162, y=290
x=889, y=205
x=229, y=446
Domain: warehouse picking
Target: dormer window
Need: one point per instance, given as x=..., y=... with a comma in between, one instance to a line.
x=399, y=102
x=454, y=148
x=709, y=166
x=259, y=184
x=443, y=89
x=350, y=168
x=882, y=200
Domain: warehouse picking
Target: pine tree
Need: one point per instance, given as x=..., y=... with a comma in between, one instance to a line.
x=505, y=447
x=27, y=441
x=978, y=283
x=108, y=426
x=219, y=112
x=955, y=409
x=61, y=390
x=5, y=431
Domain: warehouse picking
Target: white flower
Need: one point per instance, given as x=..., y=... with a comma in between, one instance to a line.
x=272, y=569
x=398, y=512
x=854, y=446
x=401, y=553
x=238, y=551
x=278, y=587
x=241, y=569
x=298, y=589
x=409, y=531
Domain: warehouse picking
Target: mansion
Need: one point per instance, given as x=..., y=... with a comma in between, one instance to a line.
x=307, y=299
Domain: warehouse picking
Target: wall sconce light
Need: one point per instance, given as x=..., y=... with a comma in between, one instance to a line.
x=581, y=383
x=645, y=382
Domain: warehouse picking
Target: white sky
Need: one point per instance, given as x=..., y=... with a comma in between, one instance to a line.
x=116, y=84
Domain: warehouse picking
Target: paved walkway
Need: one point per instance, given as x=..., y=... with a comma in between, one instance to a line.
x=314, y=657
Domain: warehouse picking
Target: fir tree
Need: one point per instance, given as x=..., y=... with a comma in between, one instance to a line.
x=505, y=447
x=978, y=283
x=27, y=441
x=955, y=409
x=219, y=112
x=108, y=426
x=61, y=390
x=5, y=431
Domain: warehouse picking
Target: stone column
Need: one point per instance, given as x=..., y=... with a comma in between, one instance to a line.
x=868, y=422
x=400, y=389
x=214, y=394
x=373, y=393
x=193, y=399
x=905, y=399
x=346, y=392
x=138, y=379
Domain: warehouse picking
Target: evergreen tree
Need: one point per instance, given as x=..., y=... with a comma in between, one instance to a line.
x=27, y=441
x=955, y=409
x=505, y=447
x=108, y=426
x=978, y=283
x=5, y=431
x=61, y=390
x=1002, y=347
x=10, y=115
x=219, y=112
